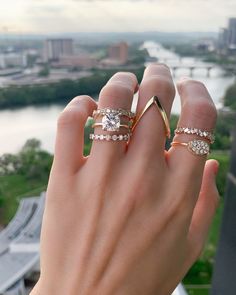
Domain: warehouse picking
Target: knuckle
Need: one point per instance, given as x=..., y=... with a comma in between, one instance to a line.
x=70, y=115
x=202, y=109
x=82, y=99
x=159, y=84
x=115, y=91
x=158, y=66
x=185, y=84
x=126, y=75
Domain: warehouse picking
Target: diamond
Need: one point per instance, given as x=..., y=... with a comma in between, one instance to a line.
x=199, y=147
x=114, y=137
x=111, y=122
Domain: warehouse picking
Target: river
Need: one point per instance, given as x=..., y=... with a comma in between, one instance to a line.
x=16, y=126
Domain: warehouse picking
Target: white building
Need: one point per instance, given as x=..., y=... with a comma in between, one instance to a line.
x=8, y=60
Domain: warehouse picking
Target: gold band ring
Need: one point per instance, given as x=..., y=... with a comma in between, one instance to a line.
x=154, y=100
x=104, y=128
x=195, y=146
x=120, y=112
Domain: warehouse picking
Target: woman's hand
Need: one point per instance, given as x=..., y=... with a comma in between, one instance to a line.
x=127, y=220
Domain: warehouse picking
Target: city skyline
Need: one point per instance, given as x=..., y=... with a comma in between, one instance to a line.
x=61, y=16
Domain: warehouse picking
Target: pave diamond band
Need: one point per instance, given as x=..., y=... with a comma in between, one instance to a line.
x=202, y=133
x=108, y=137
x=196, y=146
x=120, y=112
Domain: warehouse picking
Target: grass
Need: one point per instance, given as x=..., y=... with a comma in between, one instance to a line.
x=12, y=189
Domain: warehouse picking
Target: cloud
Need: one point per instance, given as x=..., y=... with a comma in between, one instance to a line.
x=115, y=15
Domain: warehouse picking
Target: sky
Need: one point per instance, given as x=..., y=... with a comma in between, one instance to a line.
x=55, y=16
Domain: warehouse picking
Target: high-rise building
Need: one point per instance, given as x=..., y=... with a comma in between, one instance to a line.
x=227, y=37
x=232, y=33
x=118, y=52
x=55, y=48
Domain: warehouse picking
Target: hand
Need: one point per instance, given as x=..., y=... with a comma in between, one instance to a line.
x=127, y=220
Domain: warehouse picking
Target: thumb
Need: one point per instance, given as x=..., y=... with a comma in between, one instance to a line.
x=205, y=207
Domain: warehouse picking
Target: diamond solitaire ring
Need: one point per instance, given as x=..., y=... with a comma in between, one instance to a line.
x=202, y=133
x=196, y=146
x=111, y=119
x=111, y=122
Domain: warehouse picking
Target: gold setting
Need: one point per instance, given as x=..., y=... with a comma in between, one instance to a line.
x=196, y=146
x=154, y=100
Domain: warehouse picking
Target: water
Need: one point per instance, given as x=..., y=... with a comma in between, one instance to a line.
x=16, y=126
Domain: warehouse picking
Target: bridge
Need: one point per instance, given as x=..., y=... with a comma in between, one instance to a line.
x=192, y=68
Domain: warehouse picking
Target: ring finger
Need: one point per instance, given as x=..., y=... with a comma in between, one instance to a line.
x=117, y=93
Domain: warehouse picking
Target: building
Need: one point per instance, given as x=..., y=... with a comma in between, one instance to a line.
x=55, y=48
x=232, y=33
x=76, y=61
x=9, y=60
x=118, y=52
x=227, y=38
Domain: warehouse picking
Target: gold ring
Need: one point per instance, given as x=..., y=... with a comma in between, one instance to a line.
x=110, y=128
x=195, y=146
x=162, y=112
x=121, y=112
x=111, y=119
x=199, y=132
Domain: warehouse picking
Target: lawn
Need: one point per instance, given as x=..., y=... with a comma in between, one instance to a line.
x=12, y=189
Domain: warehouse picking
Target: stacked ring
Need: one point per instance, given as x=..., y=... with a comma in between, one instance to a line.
x=202, y=133
x=111, y=121
x=195, y=146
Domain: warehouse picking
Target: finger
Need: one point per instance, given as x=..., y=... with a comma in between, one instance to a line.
x=204, y=210
x=197, y=111
x=117, y=93
x=70, y=133
x=149, y=135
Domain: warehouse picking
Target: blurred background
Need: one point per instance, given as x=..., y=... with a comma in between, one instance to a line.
x=51, y=51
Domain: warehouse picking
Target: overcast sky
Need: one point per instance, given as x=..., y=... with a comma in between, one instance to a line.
x=52, y=16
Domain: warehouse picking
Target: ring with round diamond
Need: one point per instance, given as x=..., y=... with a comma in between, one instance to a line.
x=195, y=146
x=108, y=137
x=202, y=133
x=111, y=119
